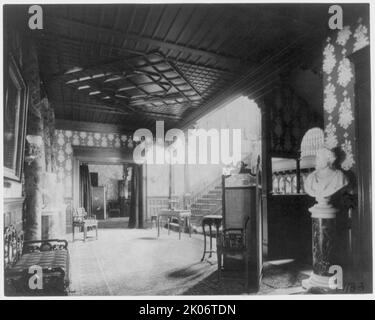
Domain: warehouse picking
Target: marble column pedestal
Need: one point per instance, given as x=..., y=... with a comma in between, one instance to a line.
x=323, y=237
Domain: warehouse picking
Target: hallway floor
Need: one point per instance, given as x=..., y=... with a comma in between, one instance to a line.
x=114, y=223
x=128, y=262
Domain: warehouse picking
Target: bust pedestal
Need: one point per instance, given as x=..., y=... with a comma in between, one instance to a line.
x=323, y=217
x=322, y=184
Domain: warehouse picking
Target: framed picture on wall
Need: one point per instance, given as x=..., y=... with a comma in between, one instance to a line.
x=15, y=113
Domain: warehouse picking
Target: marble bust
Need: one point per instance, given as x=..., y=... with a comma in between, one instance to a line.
x=325, y=180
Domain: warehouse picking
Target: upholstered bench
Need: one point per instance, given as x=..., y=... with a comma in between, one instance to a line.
x=50, y=256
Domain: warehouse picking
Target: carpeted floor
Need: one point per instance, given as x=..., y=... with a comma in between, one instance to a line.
x=114, y=223
x=136, y=262
x=128, y=262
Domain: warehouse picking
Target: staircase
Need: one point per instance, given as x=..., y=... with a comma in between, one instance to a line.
x=206, y=202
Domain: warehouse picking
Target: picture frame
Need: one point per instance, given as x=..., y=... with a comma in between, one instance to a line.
x=14, y=121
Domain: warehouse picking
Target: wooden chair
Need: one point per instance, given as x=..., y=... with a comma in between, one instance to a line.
x=84, y=222
x=232, y=241
x=238, y=197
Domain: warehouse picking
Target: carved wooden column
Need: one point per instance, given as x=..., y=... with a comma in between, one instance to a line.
x=266, y=171
x=49, y=128
x=35, y=160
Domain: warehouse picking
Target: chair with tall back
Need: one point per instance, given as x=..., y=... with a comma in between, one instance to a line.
x=238, y=201
x=84, y=222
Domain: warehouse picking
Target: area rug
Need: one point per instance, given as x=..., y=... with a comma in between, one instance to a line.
x=124, y=262
x=283, y=276
x=114, y=223
x=130, y=262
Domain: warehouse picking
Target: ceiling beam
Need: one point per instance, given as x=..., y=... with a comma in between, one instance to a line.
x=56, y=38
x=107, y=92
x=172, y=96
x=95, y=85
x=161, y=116
x=232, y=62
x=125, y=67
x=117, y=110
x=92, y=106
x=63, y=124
x=255, y=79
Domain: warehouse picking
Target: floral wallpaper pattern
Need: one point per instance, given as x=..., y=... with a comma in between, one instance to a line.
x=338, y=82
x=65, y=139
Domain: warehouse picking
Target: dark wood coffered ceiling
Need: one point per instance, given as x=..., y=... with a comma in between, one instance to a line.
x=134, y=64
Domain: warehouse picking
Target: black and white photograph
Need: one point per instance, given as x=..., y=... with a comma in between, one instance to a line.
x=186, y=149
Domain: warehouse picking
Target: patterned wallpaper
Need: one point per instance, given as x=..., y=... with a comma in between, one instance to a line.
x=338, y=83
x=65, y=139
x=291, y=117
x=108, y=176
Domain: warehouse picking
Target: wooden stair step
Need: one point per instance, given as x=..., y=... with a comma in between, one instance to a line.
x=209, y=196
x=200, y=204
x=211, y=199
x=215, y=192
x=203, y=211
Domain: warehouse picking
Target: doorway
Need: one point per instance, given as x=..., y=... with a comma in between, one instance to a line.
x=286, y=240
x=118, y=186
x=111, y=189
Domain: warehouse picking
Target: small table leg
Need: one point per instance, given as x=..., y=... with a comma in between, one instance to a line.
x=204, y=242
x=217, y=231
x=158, y=223
x=210, y=241
x=84, y=232
x=189, y=221
x=179, y=228
x=217, y=249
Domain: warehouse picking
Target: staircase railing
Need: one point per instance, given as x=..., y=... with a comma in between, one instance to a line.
x=210, y=186
x=205, y=189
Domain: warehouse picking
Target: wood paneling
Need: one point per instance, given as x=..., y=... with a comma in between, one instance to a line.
x=155, y=204
x=256, y=40
x=362, y=221
x=289, y=227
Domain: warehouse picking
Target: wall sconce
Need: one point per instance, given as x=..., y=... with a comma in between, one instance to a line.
x=33, y=148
